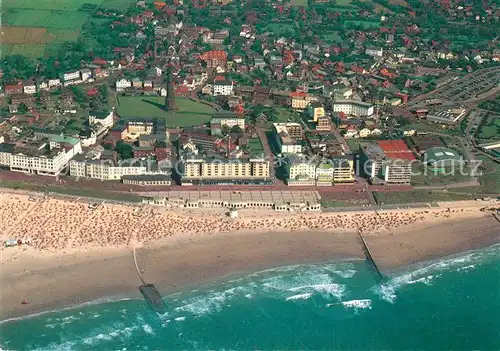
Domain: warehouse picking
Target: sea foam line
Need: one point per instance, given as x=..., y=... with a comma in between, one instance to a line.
x=84, y=304
x=429, y=271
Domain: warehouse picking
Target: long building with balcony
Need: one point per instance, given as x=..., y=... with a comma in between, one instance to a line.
x=301, y=171
x=386, y=162
x=199, y=170
x=47, y=156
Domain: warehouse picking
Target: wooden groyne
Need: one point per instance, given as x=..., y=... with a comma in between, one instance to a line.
x=149, y=291
x=369, y=256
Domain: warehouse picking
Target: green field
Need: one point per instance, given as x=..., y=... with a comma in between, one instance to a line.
x=44, y=18
x=301, y=3
x=491, y=129
x=61, y=18
x=364, y=24
x=190, y=113
x=418, y=196
x=61, y=5
x=29, y=50
x=117, y=4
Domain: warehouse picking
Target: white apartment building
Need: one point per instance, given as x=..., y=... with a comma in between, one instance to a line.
x=222, y=87
x=106, y=119
x=29, y=88
x=374, y=52
x=353, y=107
x=43, y=85
x=71, y=76
x=86, y=74
x=285, y=141
x=324, y=174
x=109, y=170
x=300, y=172
x=43, y=157
x=54, y=83
x=122, y=84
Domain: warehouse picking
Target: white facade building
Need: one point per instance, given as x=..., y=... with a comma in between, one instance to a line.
x=353, y=107
x=29, y=88
x=71, y=76
x=104, y=118
x=86, y=74
x=223, y=87
x=45, y=159
x=122, y=84
x=374, y=52
x=54, y=83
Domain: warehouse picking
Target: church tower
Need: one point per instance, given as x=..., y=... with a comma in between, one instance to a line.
x=170, y=98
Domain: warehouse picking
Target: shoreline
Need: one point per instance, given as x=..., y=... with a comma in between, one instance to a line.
x=81, y=255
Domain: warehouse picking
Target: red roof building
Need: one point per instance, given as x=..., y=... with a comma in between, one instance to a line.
x=396, y=149
x=99, y=61
x=13, y=88
x=214, y=58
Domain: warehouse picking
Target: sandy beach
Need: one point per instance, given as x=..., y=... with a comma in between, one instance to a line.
x=79, y=254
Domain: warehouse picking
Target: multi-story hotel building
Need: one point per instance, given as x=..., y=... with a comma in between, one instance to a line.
x=215, y=171
x=353, y=107
x=44, y=157
x=387, y=162
x=108, y=169
x=300, y=101
x=288, y=137
x=302, y=172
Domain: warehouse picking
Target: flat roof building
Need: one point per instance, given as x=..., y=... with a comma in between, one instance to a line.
x=449, y=117
x=387, y=161
x=353, y=107
x=288, y=137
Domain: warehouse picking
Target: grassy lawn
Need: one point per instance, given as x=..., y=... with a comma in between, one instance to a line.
x=417, y=196
x=341, y=203
x=364, y=24
x=491, y=129
x=424, y=176
x=255, y=146
x=117, y=4
x=99, y=194
x=301, y=3
x=190, y=113
x=353, y=144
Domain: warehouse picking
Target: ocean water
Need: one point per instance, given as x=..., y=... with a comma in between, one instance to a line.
x=453, y=303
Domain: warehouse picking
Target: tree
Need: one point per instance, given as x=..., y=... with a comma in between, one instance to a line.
x=236, y=130
x=22, y=108
x=124, y=150
x=225, y=129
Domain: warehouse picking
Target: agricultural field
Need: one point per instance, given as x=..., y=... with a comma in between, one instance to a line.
x=190, y=113
x=117, y=4
x=31, y=28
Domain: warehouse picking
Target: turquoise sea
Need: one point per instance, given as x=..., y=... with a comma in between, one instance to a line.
x=453, y=303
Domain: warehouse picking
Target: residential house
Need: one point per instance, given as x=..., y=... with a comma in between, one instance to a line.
x=29, y=87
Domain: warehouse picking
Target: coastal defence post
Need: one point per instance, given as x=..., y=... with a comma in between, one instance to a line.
x=149, y=291
x=368, y=255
